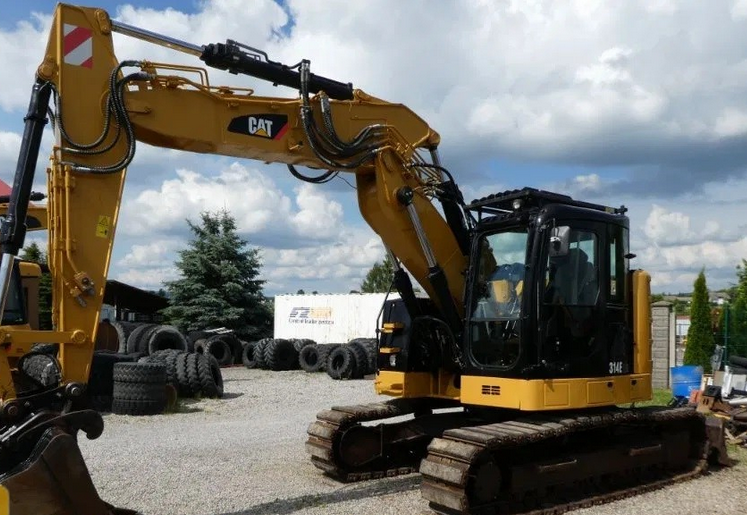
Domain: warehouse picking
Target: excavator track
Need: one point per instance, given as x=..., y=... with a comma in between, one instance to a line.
x=549, y=464
x=341, y=446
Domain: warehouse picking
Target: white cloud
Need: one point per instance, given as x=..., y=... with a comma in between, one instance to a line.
x=664, y=227
x=150, y=255
x=259, y=206
x=739, y=9
x=21, y=52
x=731, y=122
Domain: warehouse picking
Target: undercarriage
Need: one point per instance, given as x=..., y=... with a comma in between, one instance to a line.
x=495, y=462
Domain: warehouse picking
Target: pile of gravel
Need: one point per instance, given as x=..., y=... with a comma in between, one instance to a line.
x=244, y=455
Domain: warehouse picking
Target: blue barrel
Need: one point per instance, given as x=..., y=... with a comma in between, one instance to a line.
x=686, y=379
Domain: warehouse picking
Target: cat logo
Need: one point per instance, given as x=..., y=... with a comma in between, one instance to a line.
x=268, y=126
x=260, y=126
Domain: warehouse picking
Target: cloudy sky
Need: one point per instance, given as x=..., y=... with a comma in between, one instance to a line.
x=641, y=103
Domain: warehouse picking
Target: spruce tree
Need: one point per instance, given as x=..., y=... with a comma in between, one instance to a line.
x=219, y=284
x=700, y=342
x=35, y=254
x=379, y=278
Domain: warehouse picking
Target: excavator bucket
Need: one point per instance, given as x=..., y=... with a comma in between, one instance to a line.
x=54, y=480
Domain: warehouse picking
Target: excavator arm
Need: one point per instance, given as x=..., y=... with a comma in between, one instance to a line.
x=100, y=109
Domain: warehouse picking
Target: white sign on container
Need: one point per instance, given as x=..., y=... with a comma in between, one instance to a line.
x=334, y=318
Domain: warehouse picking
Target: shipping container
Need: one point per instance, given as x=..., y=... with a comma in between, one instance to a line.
x=333, y=318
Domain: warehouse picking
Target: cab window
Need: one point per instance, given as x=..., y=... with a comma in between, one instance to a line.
x=572, y=279
x=495, y=331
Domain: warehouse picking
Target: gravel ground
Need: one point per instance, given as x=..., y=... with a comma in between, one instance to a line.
x=244, y=455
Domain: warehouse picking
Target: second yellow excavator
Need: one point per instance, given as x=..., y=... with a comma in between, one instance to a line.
x=534, y=330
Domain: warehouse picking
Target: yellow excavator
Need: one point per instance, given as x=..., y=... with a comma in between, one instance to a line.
x=506, y=379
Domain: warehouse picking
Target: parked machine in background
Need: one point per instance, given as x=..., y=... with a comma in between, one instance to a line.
x=534, y=327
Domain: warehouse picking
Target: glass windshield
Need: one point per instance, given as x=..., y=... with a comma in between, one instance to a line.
x=499, y=286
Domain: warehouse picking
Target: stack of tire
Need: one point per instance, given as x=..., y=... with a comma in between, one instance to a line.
x=354, y=360
x=275, y=353
x=191, y=374
x=225, y=346
x=139, y=388
x=145, y=338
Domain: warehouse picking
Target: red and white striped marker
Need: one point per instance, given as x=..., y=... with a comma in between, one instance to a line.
x=77, y=46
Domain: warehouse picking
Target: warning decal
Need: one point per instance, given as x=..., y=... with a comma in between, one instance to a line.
x=77, y=46
x=103, y=226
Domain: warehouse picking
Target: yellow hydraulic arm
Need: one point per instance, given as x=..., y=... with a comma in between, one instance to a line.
x=103, y=107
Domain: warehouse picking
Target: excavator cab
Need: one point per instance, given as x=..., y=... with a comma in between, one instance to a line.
x=548, y=288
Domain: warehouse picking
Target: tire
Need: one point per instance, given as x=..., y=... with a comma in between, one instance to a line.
x=193, y=375
x=199, y=346
x=124, y=329
x=300, y=343
x=133, y=341
x=139, y=391
x=313, y=358
x=219, y=347
x=211, y=379
x=182, y=385
x=738, y=361
x=154, y=373
x=42, y=368
x=324, y=353
x=166, y=337
x=341, y=363
x=168, y=357
x=248, y=355
x=369, y=349
x=138, y=408
x=281, y=355
x=235, y=345
x=308, y=358
x=361, y=360
x=259, y=352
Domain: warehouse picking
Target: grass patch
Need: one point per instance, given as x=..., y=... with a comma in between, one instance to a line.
x=661, y=397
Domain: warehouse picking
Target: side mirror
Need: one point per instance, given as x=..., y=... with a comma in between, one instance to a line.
x=559, y=241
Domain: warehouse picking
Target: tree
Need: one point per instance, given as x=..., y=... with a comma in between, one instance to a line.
x=700, y=342
x=219, y=284
x=35, y=254
x=737, y=343
x=656, y=297
x=379, y=278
